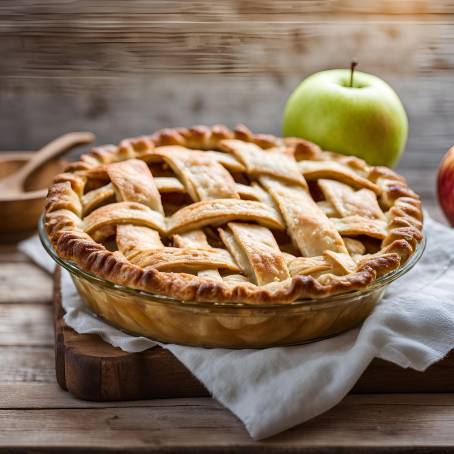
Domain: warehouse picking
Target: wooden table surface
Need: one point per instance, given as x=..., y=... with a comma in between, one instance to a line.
x=36, y=414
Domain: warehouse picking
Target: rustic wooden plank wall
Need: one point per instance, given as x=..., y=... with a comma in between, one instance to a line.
x=125, y=68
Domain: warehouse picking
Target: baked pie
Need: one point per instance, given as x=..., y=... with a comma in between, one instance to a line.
x=214, y=215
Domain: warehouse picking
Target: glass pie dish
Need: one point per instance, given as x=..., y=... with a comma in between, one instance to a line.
x=229, y=325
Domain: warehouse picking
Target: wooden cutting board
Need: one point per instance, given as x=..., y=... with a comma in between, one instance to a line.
x=91, y=369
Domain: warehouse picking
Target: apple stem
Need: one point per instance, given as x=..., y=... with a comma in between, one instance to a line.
x=353, y=65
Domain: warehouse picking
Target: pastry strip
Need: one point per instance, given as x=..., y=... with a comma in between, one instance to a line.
x=330, y=262
x=133, y=182
x=187, y=259
x=328, y=208
x=342, y=264
x=349, y=202
x=143, y=247
x=309, y=266
x=249, y=192
x=227, y=160
x=257, y=252
x=314, y=170
x=197, y=239
x=354, y=247
x=203, y=177
x=169, y=184
x=133, y=239
x=357, y=225
x=307, y=225
x=274, y=161
x=101, y=223
x=97, y=197
x=219, y=211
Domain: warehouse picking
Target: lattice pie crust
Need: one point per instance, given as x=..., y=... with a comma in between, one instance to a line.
x=210, y=214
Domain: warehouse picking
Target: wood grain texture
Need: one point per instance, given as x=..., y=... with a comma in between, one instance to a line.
x=114, y=109
x=20, y=365
x=24, y=282
x=26, y=325
x=389, y=423
x=221, y=10
x=122, y=50
x=126, y=70
x=40, y=395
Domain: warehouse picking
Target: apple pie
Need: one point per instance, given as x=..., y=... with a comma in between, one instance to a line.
x=214, y=215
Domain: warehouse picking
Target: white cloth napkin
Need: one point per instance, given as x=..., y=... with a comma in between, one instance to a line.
x=273, y=389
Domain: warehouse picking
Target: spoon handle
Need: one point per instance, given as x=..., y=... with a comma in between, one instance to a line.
x=53, y=149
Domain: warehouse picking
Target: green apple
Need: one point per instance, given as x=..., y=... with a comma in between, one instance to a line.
x=348, y=112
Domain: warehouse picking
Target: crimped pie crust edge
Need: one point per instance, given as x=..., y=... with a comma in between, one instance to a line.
x=72, y=243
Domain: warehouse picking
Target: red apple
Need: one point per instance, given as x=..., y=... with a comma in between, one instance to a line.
x=445, y=185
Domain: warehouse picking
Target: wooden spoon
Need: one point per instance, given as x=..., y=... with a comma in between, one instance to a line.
x=14, y=184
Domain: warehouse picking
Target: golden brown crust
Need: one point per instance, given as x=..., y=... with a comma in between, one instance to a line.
x=65, y=224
